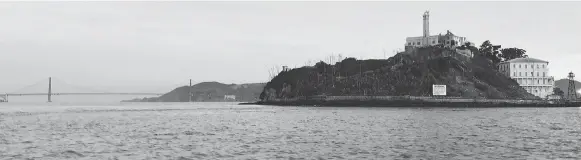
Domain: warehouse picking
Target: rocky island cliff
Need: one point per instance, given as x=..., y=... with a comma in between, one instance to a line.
x=410, y=73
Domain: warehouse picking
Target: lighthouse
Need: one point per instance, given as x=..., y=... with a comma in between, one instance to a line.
x=426, y=28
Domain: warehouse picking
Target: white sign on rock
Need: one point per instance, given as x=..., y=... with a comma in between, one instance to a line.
x=439, y=90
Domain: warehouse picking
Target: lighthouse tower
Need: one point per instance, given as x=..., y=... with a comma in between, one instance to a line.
x=572, y=93
x=426, y=28
x=448, y=40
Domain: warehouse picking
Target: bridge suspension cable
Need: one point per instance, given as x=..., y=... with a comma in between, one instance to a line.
x=29, y=86
x=77, y=87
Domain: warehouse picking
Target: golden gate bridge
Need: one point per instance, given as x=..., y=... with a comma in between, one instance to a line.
x=49, y=91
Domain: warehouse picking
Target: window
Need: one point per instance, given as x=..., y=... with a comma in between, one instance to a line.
x=418, y=43
x=537, y=74
x=543, y=66
x=410, y=43
x=544, y=82
x=433, y=42
x=544, y=74
x=519, y=66
x=514, y=66
x=538, y=81
x=526, y=66
x=526, y=73
x=532, y=66
x=519, y=74
x=537, y=66
x=514, y=74
x=447, y=42
x=532, y=74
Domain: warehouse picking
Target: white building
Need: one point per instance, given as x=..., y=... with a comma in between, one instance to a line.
x=532, y=74
x=449, y=39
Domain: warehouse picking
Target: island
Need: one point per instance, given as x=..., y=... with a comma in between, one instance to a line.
x=209, y=92
x=472, y=79
x=433, y=71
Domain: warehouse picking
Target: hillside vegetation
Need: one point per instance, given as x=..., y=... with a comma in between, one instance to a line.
x=209, y=92
x=412, y=73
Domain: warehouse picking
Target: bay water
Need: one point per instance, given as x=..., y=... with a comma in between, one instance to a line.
x=230, y=131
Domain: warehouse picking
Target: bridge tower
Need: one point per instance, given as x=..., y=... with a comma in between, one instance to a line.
x=572, y=93
x=49, y=89
x=190, y=91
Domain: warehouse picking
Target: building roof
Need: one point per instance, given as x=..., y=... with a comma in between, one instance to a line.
x=448, y=33
x=526, y=60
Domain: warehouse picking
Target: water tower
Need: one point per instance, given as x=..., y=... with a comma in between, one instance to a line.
x=572, y=93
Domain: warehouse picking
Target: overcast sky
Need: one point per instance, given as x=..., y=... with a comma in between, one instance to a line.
x=166, y=43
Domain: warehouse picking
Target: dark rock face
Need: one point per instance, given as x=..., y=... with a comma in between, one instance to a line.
x=408, y=73
x=209, y=92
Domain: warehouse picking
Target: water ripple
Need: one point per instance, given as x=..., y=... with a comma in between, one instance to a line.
x=226, y=132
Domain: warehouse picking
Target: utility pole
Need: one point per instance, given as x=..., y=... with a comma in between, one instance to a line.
x=190, y=91
x=49, y=89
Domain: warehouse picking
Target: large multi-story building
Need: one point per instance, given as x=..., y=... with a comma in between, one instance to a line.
x=449, y=39
x=532, y=74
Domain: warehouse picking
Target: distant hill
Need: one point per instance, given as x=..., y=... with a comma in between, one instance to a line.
x=209, y=92
x=563, y=84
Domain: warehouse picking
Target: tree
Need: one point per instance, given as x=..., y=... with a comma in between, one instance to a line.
x=558, y=91
x=512, y=53
x=468, y=46
x=490, y=51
